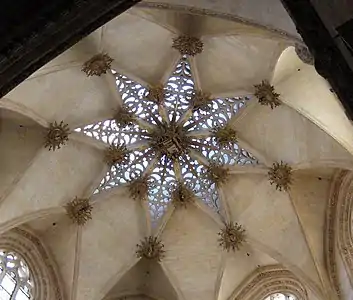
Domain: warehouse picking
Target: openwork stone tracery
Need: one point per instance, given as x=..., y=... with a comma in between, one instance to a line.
x=124, y=117
x=175, y=135
x=281, y=296
x=15, y=277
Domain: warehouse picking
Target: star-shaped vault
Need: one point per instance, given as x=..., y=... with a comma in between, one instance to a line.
x=173, y=137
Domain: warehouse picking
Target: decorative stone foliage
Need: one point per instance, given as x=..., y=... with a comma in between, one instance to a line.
x=266, y=94
x=225, y=136
x=115, y=154
x=156, y=94
x=79, y=210
x=150, y=248
x=217, y=173
x=188, y=45
x=57, y=135
x=124, y=117
x=182, y=196
x=162, y=139
x=280, y=175
x=97, y=65
x=170, y=140
x=201, y=100
x=232, y=236
x=139, y=189
x=304, y=54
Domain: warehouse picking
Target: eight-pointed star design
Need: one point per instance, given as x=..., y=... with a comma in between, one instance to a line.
x=171, y=141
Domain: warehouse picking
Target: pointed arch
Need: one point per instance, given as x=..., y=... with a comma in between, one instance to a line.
x=338, y=241
x=47, y=282
x=269, y=280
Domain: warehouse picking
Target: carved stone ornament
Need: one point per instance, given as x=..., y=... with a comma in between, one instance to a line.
x=338, y=241
x=115, y=154
x=304, y=54
x=139, y=189
x=217, y=173
x=57, y=135
x=48, y=284
x=188, y=45
x=266, y=94
x=156, y=94
x=280, y=175
x=97, y=65
x=150, y=248
x=225, y=136
x=232, y=236
x=170, y=140
x=79, y=210
x=182, y=196
x=201, y=101
x=124, y=117
x=269, y=280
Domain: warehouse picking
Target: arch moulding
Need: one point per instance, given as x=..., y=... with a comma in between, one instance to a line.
x=47, y=282
x=338, y=235
x=269, y=280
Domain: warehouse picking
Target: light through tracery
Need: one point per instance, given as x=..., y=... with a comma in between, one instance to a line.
x=15, y=278
x=171, y=141
x=281, y=296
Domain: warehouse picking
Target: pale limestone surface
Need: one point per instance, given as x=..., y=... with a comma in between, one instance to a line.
x=193, y=256
x=97, y=261
x=271, y=221
x=20, y=140
x=310, y=94
x=61, y=239
x=145, y=277
x=267, y=12
x=239, y=266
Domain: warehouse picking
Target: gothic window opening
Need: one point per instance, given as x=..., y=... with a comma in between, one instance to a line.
x=281, y=296
x=15, y=277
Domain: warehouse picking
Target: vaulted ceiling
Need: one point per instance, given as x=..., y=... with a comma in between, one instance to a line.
x=309, y=131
